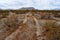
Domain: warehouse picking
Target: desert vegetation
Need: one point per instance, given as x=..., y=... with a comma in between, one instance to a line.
x=29, y=25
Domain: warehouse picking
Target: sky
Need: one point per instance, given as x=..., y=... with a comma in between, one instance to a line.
x=38, y=4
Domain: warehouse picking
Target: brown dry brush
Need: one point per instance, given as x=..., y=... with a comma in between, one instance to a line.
x=52, y=32
x=28, y=27
x=9, y=25
x=24, y=32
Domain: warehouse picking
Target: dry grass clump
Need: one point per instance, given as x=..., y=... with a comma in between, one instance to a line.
x=9, y=25
x=3, y=15
x=51, y=31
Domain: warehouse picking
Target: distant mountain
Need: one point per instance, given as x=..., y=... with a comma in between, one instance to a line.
x=27, y=8
x=0, y=9
x=57, y=9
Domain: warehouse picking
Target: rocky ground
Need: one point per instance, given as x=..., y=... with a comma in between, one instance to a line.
x=29, y=27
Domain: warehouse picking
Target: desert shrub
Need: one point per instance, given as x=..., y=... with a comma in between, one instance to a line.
x=51, y=31
x=8, y=25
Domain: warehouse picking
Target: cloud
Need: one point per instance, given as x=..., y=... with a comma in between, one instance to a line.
x=14, y=4
x=38, y=4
